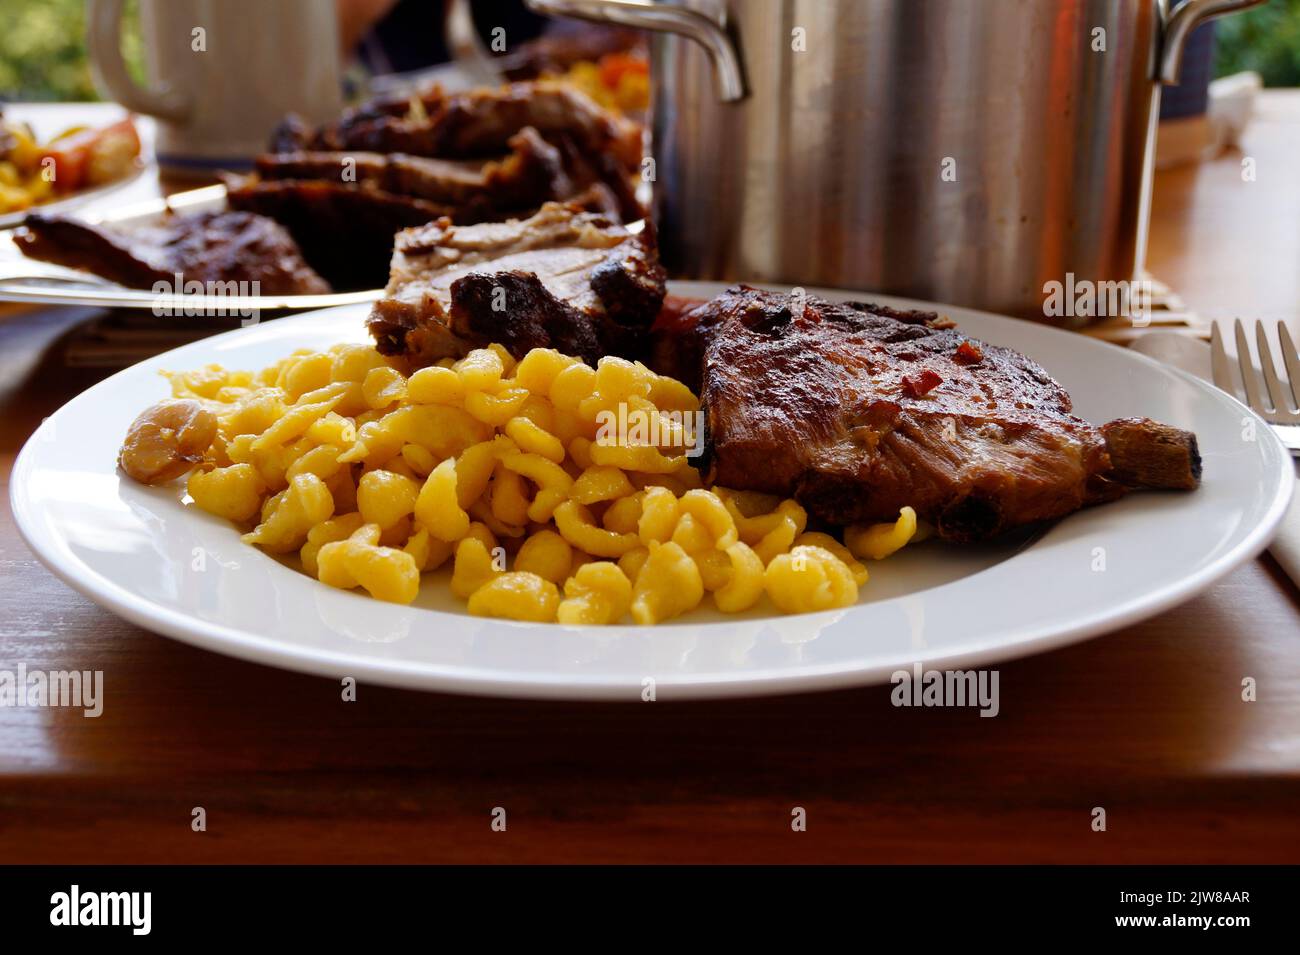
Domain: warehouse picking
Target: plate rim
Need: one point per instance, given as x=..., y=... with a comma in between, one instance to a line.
x=496, y=682
x=76, y=200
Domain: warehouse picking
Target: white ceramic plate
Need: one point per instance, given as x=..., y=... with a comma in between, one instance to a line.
x=139, y=552
x=47, y=120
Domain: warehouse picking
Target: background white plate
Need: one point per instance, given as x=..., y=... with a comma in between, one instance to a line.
x=48, y=120
x=175, y=570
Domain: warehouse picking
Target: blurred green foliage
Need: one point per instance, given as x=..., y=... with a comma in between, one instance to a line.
x=43, y=49
x=1265, y=39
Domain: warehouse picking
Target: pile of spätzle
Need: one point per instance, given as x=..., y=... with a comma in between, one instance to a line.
x=507, y=470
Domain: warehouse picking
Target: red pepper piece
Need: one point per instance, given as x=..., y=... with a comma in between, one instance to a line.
x=922, y=384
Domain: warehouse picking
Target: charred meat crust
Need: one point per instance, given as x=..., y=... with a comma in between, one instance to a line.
x=810, y=398
x=479, y=123
x=685, y=326
x=535, y=319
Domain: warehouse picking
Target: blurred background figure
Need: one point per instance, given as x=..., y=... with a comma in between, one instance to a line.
x=43, y=47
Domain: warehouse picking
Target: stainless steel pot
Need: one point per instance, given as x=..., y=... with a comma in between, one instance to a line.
x=964, y=151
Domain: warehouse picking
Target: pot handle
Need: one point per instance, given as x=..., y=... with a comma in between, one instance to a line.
x=662, y=18
x=1181, y=21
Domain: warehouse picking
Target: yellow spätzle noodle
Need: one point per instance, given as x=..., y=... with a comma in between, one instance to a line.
x=382, y=387
x=481, y=370
x=474, y=469
x=533, y=439
x=598, y=593
x=293, y=512
x=691, y=535
x=579, y=528
x=878, y=541
x=322, y=461
x=808, y=579
x=827, y=542
x=437, y=507
x=327, y=532
x=667, y=585
x=384, y=572
x=538, y=369
x=715, y=567
x=632, y=562
x=597, y=483
x=509, y=497
x=473, y=568
x=777, y=541
x=744, y=587
x=659, y=513
x=712, y=514
x=435, y=386
x=517, y=595
x=428, y=551
x=384, y=497
x=623, y=516
x=547, y=555
x=233, y=492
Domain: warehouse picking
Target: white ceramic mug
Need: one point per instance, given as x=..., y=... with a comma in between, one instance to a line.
x=222, y=73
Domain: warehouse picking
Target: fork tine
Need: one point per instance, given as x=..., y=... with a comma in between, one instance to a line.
x=1249, y=378
x=1290, y=358
x=1219, y=363
x=1276, y=391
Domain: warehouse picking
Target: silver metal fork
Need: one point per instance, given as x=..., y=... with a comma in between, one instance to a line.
x=1278, y=401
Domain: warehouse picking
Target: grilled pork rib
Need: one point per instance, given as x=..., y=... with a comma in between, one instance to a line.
x=202, y=246
x=530, y=174
x=858, y=410
x=563, y=279
x=600, y=151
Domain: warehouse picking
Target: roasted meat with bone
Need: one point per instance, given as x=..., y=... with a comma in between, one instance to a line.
x=600, y=150
x=563, y=279
x=478, y=156
x=474, y=123
x=858, y=411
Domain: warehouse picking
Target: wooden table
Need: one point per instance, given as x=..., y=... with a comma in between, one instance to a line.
x=1147, y=722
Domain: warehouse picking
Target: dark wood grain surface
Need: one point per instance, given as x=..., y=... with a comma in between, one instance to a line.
x=1147, y=723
